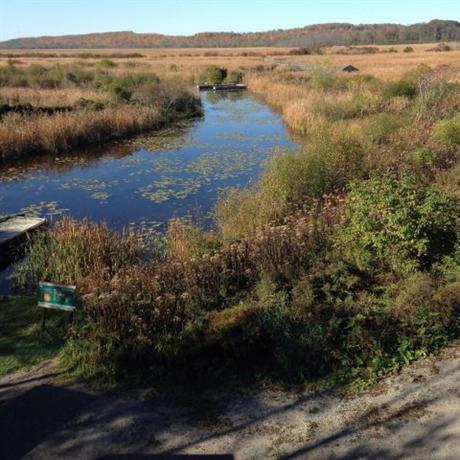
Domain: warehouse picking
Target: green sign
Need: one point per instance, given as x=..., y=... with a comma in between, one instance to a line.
x=57, y=296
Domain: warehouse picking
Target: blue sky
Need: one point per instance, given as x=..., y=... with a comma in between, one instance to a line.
x=19, y=18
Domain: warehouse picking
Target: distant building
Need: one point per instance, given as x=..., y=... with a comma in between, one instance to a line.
x=350, y=68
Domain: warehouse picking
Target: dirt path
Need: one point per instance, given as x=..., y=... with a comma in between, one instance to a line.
x=413, y=415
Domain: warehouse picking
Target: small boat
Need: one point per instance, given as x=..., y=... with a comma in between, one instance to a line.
x=14, y=231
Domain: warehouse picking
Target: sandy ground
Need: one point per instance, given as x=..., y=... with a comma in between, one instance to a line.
x=413, y=415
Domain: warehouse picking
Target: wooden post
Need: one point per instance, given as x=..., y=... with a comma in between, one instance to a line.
x=70, y=319
x=42, y=329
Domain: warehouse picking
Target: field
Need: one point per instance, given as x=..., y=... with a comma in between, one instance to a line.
x=93, y=97
x=56, y=106
x=185, y=63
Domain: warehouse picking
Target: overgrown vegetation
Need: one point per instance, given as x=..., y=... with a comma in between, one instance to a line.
x=112, y=105
x=343, y=262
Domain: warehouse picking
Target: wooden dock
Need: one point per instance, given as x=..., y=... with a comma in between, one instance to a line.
x=13, y=235
x=205, y=87
x=223, y=87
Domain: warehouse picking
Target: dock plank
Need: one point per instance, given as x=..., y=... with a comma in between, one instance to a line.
x=14, y=227
x=13, y=235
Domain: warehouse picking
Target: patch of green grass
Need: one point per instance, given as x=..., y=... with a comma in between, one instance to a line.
x=21, y=345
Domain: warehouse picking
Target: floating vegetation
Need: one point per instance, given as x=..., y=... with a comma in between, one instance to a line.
x=170, y=187
x=98, y=187
x=44, y=208
x=73, y=160
x=173, y=138
x=17, y=173
x=264, y=121
x=223, y=166
x=235, y=136
x=100, y=196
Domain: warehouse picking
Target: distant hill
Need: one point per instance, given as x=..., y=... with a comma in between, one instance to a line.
x=315, y=35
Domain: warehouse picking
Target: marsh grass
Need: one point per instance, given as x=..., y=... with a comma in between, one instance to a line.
x=74, y=250
x=63, y=131
x=97, y=106
x=51, y=97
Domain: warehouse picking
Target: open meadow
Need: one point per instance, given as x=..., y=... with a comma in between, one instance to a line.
x=388, y=62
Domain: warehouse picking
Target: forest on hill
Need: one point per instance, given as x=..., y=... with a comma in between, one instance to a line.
x=314, y=35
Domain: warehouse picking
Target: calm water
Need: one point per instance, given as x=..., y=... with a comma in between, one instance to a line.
x=144, y=182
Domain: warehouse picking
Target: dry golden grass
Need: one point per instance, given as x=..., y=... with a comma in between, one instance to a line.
x=50, y=97
x=387, y=66
x=69, y=110
x=186, y=63
x=309, y=100
x=22, y=135
x=302, y=105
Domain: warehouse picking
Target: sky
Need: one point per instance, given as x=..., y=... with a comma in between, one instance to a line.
x=22, y=18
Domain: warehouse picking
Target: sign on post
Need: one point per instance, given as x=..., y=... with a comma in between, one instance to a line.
x=56, y=297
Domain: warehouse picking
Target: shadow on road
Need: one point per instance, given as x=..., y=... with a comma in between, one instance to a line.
x=33, y=379
x=167, y=457
x=29, y=418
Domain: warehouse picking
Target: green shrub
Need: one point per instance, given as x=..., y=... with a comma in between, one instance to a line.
x=214, y=75
x=423, y=156
x=400, y=88
x=123, y=86
x=337, y=110
x=41, y=77
x=398, y=224
x=107, y=63
x=332, y=158
x=235, y=76
x=381, y=127
x=441, y=47
x=326, y=77
x=300, y=52
x=417, y=73
x=408, y=49
x=448, y=130
x=329, y=161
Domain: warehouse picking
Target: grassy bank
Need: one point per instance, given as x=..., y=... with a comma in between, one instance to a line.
x=342, y=263
x=21, y=344
x=55, y=109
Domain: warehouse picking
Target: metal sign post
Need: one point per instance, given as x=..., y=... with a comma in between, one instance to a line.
x=56, y=297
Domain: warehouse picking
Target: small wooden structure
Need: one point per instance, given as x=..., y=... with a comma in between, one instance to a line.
x=204, y=87
x=223, y=87
x=350, y=68
x=13, y=235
